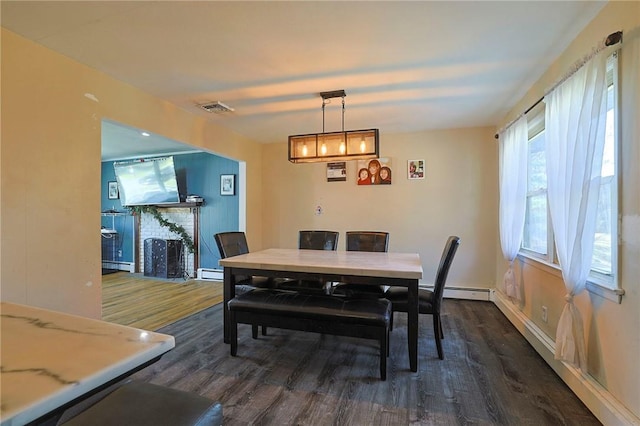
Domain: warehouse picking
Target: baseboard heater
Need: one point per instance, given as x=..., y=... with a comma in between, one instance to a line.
x=210, y=274
x=468, y=293
x=120, y=266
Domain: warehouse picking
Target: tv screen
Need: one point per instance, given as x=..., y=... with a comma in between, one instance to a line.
x=146, y=182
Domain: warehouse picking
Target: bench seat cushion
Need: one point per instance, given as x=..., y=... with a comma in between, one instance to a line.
x=308, y=306
x=326, y=314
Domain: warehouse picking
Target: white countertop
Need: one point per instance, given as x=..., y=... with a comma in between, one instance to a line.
x=50, y=358
x=386, y=265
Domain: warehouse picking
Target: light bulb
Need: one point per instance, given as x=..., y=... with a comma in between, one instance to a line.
x=342, y=148
x=363, y=146
x=323, y=149
x=304, y=150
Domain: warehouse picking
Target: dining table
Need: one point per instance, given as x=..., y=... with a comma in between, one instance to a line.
x=51, y=360
x=386, y=268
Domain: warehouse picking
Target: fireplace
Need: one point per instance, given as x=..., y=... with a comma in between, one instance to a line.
x=163, y=258
x=149, y=229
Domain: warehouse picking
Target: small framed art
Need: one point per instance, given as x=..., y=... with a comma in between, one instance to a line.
x=337, y=172
x=227, y=184
x=415, y=169
x=112, y=189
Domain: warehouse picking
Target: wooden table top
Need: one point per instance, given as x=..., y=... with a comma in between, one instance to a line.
x=50, y=358
x=358, y=263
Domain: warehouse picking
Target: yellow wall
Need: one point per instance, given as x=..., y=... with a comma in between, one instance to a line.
x=458, y=196
x=612, y=330
x=50, y=170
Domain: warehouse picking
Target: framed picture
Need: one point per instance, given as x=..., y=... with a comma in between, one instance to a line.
x=227, y=184
x=374, y=172
x=113, y=190
x=415, y=169
x=337, y=172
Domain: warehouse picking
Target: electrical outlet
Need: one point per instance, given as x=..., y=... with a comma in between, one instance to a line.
x=545, y=316
x=119, y=253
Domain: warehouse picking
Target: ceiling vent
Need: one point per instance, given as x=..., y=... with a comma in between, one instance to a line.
x=217, y=107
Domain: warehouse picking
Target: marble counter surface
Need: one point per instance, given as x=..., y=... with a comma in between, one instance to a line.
x=50, y=358
x=386, y=265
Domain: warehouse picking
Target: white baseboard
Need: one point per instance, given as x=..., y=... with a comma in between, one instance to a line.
x=602, y=404
x=207, y=274
x=120, y=266
x=467, y=293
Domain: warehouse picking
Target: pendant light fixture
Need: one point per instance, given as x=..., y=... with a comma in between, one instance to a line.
x=334, y=146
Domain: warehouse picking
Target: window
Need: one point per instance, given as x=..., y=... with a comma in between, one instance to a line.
x=535, y=235
x=537, y=241
x=605, y=247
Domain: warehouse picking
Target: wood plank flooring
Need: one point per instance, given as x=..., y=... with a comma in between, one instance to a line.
x=148, y=303
x=490, y=375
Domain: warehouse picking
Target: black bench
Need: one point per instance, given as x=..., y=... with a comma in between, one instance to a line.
x=365, y=318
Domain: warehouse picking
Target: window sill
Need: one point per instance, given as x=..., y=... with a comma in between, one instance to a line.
x=536, y=262
x=614, y=295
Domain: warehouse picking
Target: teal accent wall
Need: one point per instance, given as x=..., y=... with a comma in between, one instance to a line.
x=123, y=222
x=198, y=174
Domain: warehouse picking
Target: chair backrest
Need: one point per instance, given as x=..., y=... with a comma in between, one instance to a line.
x=231, y=244
x=318, y=240
x=443, y=270
x=367, y=241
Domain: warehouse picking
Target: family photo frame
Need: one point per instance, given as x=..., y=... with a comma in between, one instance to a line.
x=227, y=184
x=377, y=171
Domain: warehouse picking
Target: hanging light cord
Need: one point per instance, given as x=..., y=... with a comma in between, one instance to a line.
x=343, y=113
x=324, y=101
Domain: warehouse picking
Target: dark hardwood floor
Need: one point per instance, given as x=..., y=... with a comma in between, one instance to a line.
x=490, y=375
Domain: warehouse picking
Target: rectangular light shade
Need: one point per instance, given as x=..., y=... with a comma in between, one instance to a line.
x=334, y=146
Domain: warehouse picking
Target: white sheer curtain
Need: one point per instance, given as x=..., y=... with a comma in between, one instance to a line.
x=513, y=196
x=575, y=130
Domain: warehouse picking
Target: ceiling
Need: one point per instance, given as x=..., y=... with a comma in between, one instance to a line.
x=405, y=66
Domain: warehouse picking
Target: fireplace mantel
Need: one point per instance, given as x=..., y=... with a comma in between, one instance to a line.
x=177, y=205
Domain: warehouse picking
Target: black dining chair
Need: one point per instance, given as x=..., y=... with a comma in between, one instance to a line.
x=372, y=241
x=233, y=244
x=429, y=302
x=312, y=240
x=318, y=240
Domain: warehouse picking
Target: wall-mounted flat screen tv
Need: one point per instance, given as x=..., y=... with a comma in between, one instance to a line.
x=147, y=182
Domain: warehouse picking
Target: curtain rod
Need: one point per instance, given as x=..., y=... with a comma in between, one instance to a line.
x=613, y=38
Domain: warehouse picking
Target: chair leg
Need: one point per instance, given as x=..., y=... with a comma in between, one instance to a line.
x=391, y=322
x=233, y=333
x=384, y=350
x=388, y=342
x=254, y=330
x=437, y=333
